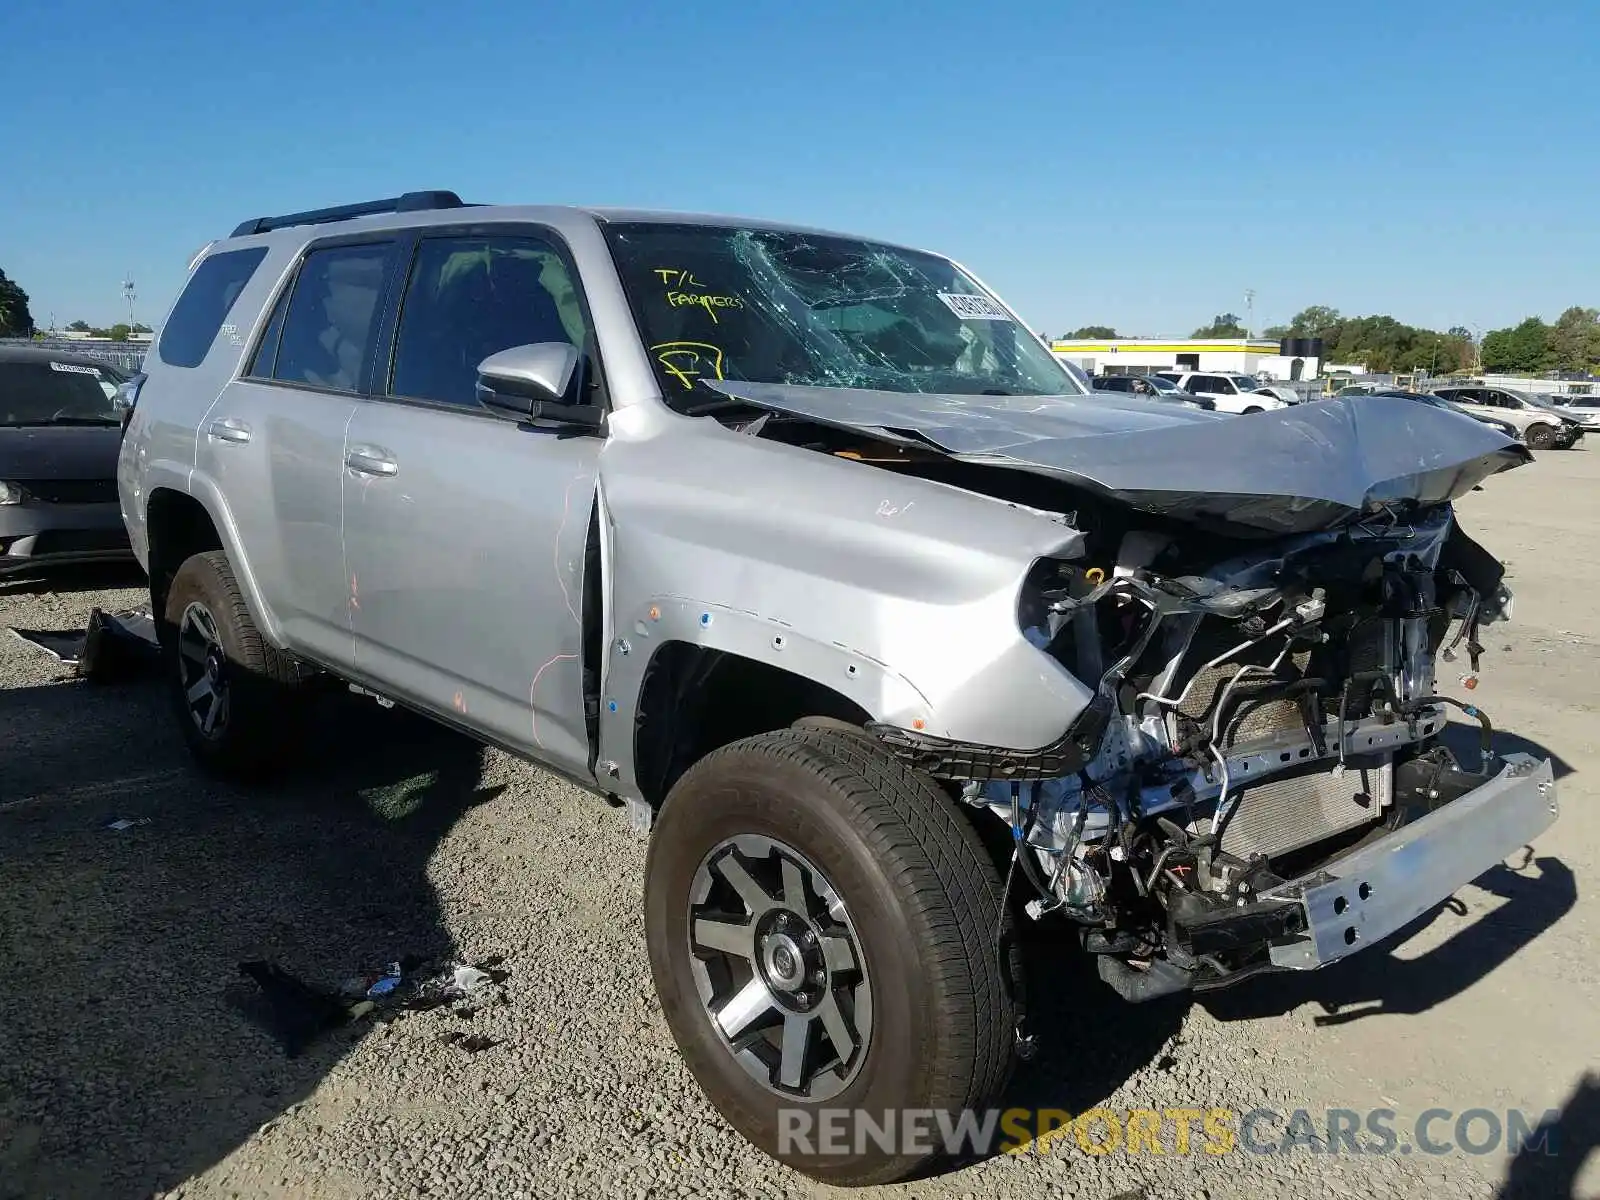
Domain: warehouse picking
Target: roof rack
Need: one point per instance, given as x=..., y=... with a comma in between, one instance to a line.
x=410, y=202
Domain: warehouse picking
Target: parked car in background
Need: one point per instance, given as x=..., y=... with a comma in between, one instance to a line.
x=59, y=433
x=1495, y=423
x=1231, y=392
x=1540, y=427
x=1152, y=387
x=1584, y=409
x=1278, y=392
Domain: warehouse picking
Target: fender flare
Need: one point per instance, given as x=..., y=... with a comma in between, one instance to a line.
x=202, y=489
x=877, y=689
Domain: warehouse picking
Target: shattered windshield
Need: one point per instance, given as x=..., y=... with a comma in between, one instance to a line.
x=775, y=306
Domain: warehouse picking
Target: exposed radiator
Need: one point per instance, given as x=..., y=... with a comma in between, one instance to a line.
x=1290, y=812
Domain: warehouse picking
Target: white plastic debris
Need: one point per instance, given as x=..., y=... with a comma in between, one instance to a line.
x=469, y=979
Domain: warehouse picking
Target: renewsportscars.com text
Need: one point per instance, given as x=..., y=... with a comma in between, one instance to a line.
x=1177, y=1131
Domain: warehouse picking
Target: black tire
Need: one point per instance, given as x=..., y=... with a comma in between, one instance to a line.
x=925, y=902
x=1539, y=437
x=1253, y=409
x=256, y=722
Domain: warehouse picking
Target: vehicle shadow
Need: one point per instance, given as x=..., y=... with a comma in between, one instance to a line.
x=1537, y=894
x=125, y=1064
x=1080, y=1062
x=1548, y=1164
x=1463, y=740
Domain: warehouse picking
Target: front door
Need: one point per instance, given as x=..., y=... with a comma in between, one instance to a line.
x=464, y=532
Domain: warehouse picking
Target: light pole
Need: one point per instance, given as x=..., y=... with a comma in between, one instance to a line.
x=1250, y=310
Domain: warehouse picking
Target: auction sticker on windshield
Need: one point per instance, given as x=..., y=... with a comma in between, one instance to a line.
x=974, y=308
x=71, y=369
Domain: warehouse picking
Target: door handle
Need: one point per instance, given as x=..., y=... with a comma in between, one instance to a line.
x=370, y=460
x=228, y=429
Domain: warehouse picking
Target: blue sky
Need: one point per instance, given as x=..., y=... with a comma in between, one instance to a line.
x=1139, y=164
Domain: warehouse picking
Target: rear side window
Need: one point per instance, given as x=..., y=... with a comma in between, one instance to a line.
x=205, y=305
x=327, y=332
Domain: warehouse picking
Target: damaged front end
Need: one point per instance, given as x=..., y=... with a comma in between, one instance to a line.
x=1257, y=780
x=1259, y=783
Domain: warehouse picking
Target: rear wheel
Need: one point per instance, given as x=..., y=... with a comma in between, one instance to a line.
x=1254, y=408
x=1540, y=437
x=822, y=925
x=230, y=688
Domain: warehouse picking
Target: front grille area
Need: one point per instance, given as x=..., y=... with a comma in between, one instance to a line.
x=71, y=491
x=1291, y=812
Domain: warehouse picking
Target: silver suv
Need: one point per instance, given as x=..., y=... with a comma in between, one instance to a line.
x=805, y=549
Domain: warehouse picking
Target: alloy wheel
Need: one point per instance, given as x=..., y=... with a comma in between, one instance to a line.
x=203, y=670
x=779, y=967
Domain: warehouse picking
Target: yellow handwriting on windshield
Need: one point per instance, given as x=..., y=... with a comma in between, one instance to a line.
x=688, y=361
x=672, y=277
x=709, y=303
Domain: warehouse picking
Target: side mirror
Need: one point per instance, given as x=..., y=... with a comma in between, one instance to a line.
x=532, y=383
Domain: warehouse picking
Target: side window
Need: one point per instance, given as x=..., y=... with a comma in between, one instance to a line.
x=205, y=304
x=266, y=356
x=327, y=331
x=470, y=297
x=1207, y=383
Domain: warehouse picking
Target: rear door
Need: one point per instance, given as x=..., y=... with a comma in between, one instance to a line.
x=465, y=533
x=274, y=439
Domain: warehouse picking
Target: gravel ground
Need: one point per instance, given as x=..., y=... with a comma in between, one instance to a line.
x=127, y=1069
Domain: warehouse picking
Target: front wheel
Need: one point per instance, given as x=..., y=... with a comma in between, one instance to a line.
x=823, y=932
x=1540, y=437
x=231, y=689
x=1254, y=408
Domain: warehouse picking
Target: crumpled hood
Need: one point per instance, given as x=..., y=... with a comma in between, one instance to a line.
x=1292, y=470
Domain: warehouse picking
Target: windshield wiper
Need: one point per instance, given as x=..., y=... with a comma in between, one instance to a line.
x=722, y=404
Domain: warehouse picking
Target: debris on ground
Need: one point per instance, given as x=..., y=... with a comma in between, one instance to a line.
x=293, y=1011
x=472, y=1045
x=296, y=1012
x=123, y=823
x=113, y=646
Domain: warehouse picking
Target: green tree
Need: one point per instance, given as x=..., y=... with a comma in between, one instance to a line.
x=1224, y=325
x=119, y=332
x=1317, y=321
x=1276, y=331
x=79, y=327
x=1091, y=331
x=1574, y=343
x=141, y=327
x=15, y=319
x=1520, y=350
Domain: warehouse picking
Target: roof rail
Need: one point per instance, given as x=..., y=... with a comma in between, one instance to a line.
x=410, y=202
